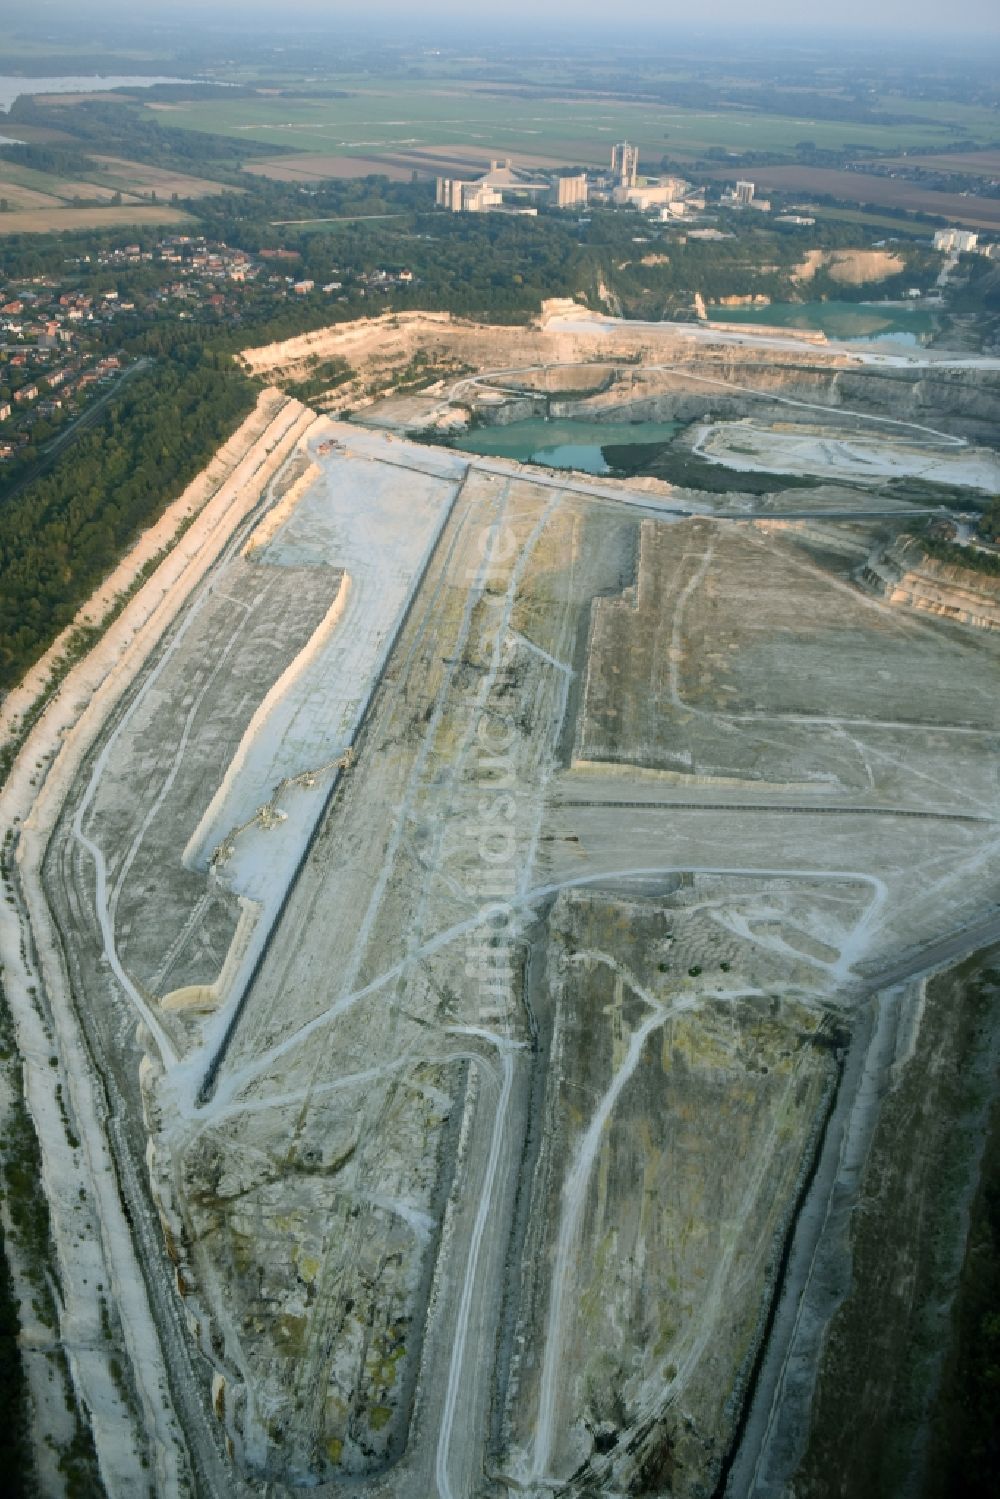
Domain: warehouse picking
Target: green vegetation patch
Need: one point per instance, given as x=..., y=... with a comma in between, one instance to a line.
x=407, y=113
x=971, y=559
x=325, y=376
x=14, y=1448
x=123, y=130
x=690, y=471
x=965, y=1443
x=65, y=531
x=57, y=160
x=989, y=525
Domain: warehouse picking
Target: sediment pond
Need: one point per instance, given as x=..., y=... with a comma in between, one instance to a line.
x=576, y=444
x=852, y=322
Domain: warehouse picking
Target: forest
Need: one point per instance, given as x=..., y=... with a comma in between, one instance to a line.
x=117, y=130
x=61, y=160
x=63, y=533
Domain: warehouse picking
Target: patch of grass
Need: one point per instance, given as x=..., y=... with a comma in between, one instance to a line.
x=391, y=118
x=379, y=1416
x=52, y=220
x=927, y=492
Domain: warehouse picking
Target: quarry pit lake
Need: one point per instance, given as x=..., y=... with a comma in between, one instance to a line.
x=564, y=442
x=849, y=322
x=13, y=86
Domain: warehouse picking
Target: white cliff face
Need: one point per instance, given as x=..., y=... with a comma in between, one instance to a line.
x=904, y=574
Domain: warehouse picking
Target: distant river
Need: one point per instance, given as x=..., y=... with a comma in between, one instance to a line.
x=562, y=443
x=850, y=322
x=12, y=88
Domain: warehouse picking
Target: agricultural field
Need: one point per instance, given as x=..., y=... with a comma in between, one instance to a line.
x=53, y=187
x=962, y=163
x=19, y=195
x=116, y=190
x=141, y=178
x=974, y=119
x=398, y=165
x=868, y=219
x=52, y=220
x=110, y=174
x=317, y=167
x=378, y=120
x=882, y=192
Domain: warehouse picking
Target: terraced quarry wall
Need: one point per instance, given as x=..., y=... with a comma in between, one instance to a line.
x=668, y=371
x=905, y=575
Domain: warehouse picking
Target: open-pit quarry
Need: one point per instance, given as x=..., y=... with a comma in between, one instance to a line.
x=465, y=922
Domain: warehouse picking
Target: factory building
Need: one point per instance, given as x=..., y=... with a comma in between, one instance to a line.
x=961, y=240
x=467, y=197
x=744, y=195
x=625, y=164
x=570, y=192
x=650, y=194
x=449, y=193
x=487, y=194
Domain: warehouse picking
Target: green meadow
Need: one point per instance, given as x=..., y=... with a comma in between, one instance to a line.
x=383, y=118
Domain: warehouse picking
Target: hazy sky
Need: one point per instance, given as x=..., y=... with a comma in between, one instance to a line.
x=978, y=15
x=623, y=21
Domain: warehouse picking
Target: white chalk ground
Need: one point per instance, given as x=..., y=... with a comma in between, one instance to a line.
x=94, y=1248
x=384, y=447
x=356, y=515
x=600, y=327
x=749, y=446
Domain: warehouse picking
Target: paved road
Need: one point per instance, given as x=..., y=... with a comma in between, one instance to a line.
x=677, y=804
x=894, y=512
x=353, y=218
x=573, y=484
x=665, y=506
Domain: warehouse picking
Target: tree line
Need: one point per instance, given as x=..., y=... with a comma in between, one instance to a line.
x=63, y=533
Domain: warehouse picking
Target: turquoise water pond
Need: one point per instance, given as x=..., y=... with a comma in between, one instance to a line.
x=853, y=322
x=562, y=443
